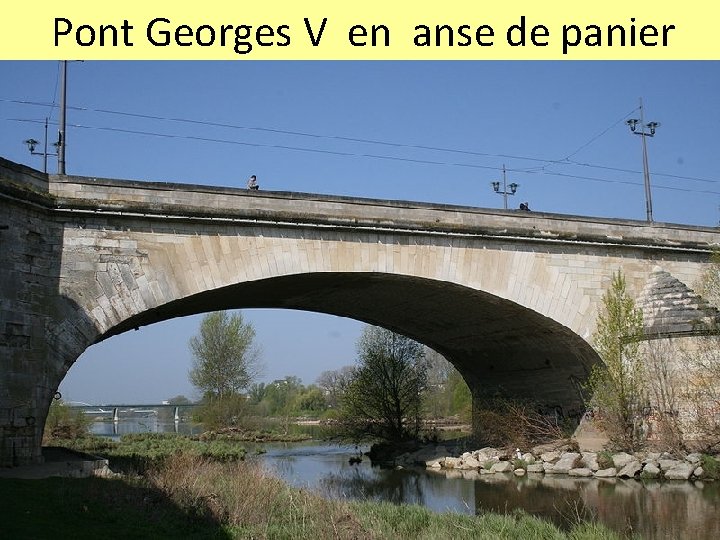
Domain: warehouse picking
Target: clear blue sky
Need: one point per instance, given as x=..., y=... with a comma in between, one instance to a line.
x=354, y=128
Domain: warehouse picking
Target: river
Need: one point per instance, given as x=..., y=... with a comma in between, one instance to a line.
x=657, y=510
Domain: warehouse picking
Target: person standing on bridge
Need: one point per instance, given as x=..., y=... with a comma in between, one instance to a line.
x=252, y=183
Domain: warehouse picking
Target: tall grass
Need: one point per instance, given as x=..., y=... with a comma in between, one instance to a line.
x=254, y=504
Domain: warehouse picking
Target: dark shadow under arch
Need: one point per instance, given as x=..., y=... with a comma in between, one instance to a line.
x=497, y=345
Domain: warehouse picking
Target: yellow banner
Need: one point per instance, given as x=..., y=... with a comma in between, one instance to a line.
x=367, y=30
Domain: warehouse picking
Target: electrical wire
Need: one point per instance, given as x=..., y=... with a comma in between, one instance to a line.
x=565, y=161
x=363, y=155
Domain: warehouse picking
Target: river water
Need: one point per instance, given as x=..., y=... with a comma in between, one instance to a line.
x=662, y=510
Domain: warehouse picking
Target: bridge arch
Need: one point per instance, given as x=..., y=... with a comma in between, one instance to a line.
x=497, y=345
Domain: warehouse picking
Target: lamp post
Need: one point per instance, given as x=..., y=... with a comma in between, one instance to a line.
x=513, y=188
x=32, y=143
x=652, y=127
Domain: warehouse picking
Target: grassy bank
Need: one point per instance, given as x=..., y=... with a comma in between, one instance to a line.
x=190, y=496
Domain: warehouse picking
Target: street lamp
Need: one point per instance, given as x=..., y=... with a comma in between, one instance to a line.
x=496, y=188
x=652, y=127
x=32, y=143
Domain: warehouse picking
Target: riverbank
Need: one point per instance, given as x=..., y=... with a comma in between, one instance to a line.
x=192, y=496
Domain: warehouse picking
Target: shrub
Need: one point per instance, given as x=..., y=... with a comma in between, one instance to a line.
x=711, y=467
x=506, y=422
x=64, y=423
x=605, y=460
x=230, y=411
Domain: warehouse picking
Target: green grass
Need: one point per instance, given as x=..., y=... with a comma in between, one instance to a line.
x=141, y=451
x=391, y=521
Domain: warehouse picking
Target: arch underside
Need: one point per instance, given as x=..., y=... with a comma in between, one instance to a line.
x=500, y=347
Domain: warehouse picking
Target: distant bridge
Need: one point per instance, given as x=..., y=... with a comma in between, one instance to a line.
x=114, y=412
x=509, y=297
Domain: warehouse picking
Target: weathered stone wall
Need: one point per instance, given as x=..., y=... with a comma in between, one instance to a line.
x=683, y=388
x=41, y=333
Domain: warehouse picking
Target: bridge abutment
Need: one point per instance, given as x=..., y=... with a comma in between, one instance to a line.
x=40, y=334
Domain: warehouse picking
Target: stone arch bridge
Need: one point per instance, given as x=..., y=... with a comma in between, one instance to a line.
x=509, y=297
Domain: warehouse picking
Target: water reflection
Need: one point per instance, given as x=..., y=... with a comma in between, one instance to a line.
x=667, y=510
x=143, y=424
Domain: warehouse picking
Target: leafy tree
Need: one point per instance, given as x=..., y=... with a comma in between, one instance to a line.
x=225, y=360
x=447, y=393
x=616, y=385
x=461, y=396
x=384, y=396
x=310, y=401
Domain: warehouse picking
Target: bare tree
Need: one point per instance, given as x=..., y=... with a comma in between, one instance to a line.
x=333, y=384
x=665, y=389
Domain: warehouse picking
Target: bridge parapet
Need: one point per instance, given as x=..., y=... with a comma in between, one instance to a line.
x=172, y=201
x=23, y=175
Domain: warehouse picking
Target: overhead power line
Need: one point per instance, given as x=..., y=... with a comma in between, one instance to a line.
x=362, y=155
x=565, y=161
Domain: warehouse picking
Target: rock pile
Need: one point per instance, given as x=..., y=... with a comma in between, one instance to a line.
x=543, y=461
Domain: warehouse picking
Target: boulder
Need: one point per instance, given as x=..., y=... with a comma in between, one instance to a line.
x=435, y=463
x=550, y=457
x=581, y=471
x=650, y=470
x=519, y=472
x=606, y=473
x=694, y=458
x=630, y=470
x=567, y=461
x=681, y=471
x=667, y=464
x=621, y=459
x=502, y=466
x=486, y=454
x=698, y=472
x=528, y=458
x=470, y=463
x=589, y=459
x=452, y=462
x=536, y=468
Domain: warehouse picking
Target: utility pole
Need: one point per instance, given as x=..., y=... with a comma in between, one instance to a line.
x=652, y=126
x=513, y=188
x=62, y=141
